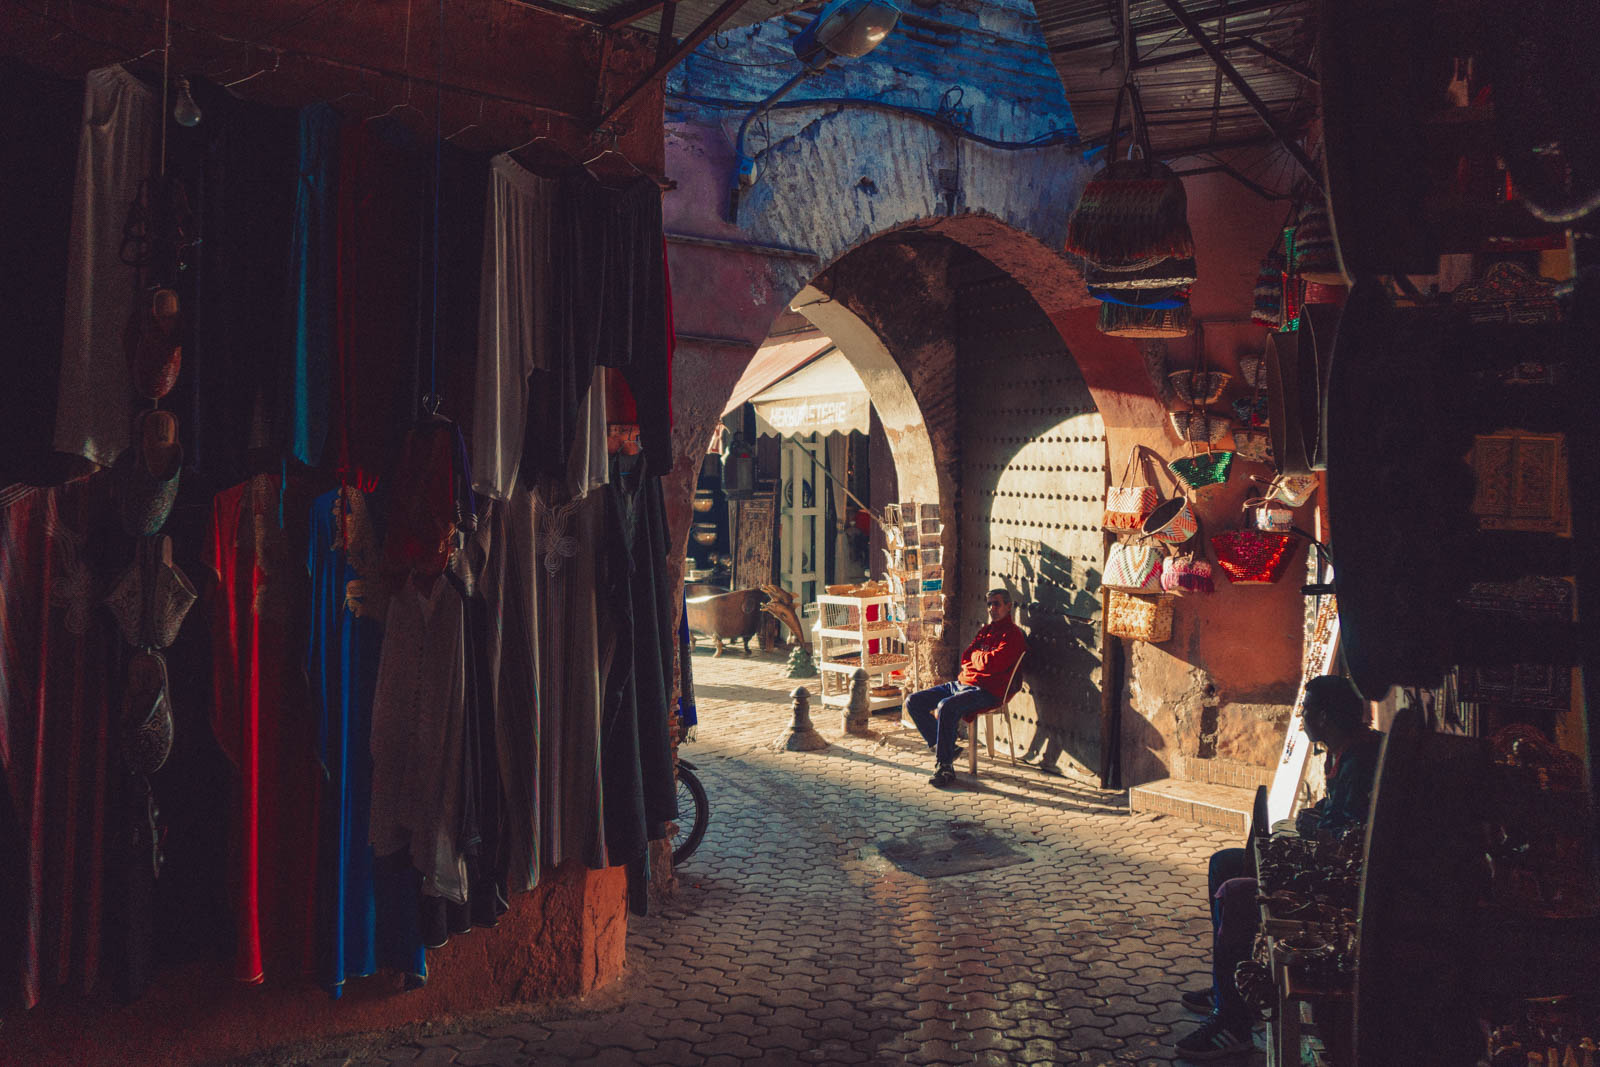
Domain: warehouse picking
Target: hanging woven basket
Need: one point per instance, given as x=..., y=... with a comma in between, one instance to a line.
x=1203, y=388
x=1201, y=427
x=1119, y=320
x=1315, y=259
x=1198, y=472
x=1139, y=618
x=1162, y=274
x=1253, y=445
x=1253, y=557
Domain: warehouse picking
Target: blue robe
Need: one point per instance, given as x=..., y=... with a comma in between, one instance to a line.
x=367, y=908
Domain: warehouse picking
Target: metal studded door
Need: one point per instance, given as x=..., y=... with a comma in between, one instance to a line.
x=1033, y=455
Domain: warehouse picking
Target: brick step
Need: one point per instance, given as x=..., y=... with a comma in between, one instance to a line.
x=1223, y=806
x=1223, y=772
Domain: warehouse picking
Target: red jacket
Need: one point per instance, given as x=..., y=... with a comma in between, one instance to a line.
x=988, y=661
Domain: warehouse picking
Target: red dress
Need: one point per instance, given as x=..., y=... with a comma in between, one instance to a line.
x=261, y=713
x=56, y=656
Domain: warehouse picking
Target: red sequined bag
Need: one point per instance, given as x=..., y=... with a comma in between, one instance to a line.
x=1254, y=557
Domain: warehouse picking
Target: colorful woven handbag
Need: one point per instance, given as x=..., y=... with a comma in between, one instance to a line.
x=1133, y=567
x=1315, y=259
x=1172, y=521
x=1267, y=309
x=1206, y=468
x=1251, y=411
x=1200, y=428
x=1134, y=212
x=1252, y=557
x=1127, y=505
x=1187, y=574
x=1253, y=445
x=1138, y=618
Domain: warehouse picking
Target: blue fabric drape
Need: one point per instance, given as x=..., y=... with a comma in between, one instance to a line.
x=313, y=267
x=367, y=910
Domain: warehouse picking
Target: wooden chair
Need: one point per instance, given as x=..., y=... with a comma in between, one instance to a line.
x=988, y=724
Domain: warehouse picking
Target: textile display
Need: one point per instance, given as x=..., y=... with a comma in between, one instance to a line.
x=366, y=912
x=408, y=666
x=515, y=330
x=56, y=757
x=115, y=153
x=313, y=263
x=636, y=750
x=262, y=719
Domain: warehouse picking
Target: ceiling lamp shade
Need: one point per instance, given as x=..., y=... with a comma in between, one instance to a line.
x=849, y=28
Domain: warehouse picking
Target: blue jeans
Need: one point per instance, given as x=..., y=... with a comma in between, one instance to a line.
x=1235, y=915
x=938, y=713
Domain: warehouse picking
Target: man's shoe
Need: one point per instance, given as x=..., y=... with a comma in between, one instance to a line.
x=1199, y=1000
x=943, y=775
x=1215, y=1039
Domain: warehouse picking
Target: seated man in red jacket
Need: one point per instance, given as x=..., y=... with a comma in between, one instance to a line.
x=985, y=670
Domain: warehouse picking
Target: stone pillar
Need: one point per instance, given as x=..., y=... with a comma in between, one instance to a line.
x=801, y=736
x=858, y=713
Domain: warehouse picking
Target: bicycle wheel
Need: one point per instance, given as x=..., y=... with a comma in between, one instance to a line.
x=694, y=812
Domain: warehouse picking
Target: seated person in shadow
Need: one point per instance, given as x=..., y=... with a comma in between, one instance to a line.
x=981, y=685
x=1336, y=717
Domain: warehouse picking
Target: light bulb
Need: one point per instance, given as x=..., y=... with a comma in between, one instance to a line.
x=185, y=112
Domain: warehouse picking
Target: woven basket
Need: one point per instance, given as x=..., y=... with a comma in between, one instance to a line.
x=1314, y=258
x=1253, y=371
x=1267, y=309
x=1202, y=428
x=1253, y=445
x=1139, y=618
x=1172, y=521
x=1203, y=388
x=1187, y=574
x=1119, y=320
x=1163, y=274
x=1251, y=411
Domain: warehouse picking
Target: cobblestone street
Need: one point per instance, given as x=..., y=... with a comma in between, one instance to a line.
x=794, y=940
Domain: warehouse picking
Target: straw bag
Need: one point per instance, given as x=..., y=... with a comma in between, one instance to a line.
x=1204, y=387
x=1198, y=428
x=1291, y=489
x=1252, y=557
x=1267, y=308
x=1138, y=618
x=1120, y=320
x=1133, y=567
x=1134, y=212
x=1128, y=505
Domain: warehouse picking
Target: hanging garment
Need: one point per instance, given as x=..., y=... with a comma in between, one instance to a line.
x=636, y=746
x=94, y=407
x=56, y=757
x=515, y=324
x=610, y=309
x=430, y=498
x=240, y=167
x=313, y=269
x=418, y=732
x=589, y=465
x=567, y=537
x=39, y=130
x=507, y=645
x=450, y=299
x=376, y=385
x=262, y=720
x=361, y=925
x=484, y=840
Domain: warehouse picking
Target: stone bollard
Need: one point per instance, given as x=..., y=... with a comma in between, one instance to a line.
x=857, y=715
x=801, y=736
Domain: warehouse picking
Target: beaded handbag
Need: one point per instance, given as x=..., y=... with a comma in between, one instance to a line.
x=1253, y=557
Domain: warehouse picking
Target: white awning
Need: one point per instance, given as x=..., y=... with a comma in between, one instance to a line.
x=825, y=396
x=772, y=362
